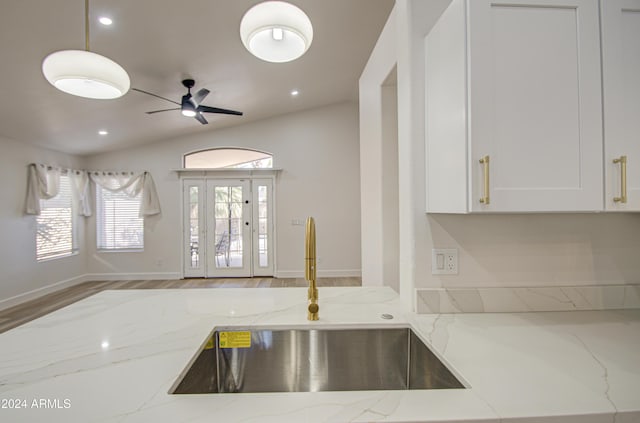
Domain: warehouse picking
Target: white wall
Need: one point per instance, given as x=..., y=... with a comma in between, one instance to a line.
x=380, y=65
x=538, y=249
x=414, y=19
x=397, y=46
x=21, y=277
x=318, y=152
x=494, y=250
x=390, y=188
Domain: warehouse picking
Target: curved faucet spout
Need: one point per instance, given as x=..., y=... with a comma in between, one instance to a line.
x=310, y=268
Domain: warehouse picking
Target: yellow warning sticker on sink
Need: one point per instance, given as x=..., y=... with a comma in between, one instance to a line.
x=235, y=339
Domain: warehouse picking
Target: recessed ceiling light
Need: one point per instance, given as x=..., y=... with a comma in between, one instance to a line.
x=103, y=132
x=295, y=93
x=105, y=20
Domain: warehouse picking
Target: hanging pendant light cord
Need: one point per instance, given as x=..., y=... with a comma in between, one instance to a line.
x=86, y=25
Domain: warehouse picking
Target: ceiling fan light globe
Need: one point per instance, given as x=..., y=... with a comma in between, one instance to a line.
x=188, y=112
x=260, y=24
x=85, y=74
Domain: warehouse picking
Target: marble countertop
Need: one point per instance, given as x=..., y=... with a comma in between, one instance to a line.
x=114, y=356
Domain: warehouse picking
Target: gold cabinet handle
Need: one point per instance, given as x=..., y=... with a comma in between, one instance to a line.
x=485, y=161
x=623, y=179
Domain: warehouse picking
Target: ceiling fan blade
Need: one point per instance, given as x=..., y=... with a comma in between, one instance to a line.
x=200, y=95
x=155, y=95
x=208, y=109
x=163, y=110
x=200, y=118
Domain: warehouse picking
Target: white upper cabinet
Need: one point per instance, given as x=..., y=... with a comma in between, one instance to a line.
x=517, y=82
x=621, y=77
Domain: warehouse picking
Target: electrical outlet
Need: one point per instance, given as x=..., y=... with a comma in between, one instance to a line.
x=444, y=261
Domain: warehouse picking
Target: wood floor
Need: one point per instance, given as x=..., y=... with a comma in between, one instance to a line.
x=23, y=313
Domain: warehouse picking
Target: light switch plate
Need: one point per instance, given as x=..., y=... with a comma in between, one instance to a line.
x=444, y=261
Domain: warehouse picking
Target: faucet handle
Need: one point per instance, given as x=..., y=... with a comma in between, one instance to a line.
x=313, y=311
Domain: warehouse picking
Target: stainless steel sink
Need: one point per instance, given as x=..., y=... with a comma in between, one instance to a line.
x=316, y=360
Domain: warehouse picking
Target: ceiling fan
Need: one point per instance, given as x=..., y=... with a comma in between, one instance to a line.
x=190, y=105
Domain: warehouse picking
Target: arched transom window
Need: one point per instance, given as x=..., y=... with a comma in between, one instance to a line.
x=225, y=158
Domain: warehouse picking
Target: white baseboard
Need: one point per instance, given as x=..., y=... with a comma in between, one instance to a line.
x=356, y=273
x=39, y=292
x=133, y=276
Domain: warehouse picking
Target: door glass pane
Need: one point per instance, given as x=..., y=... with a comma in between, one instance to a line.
x=263, y=234
x=236, y=194
x=194, y=231
x=222, y=210
x=228, y=226
x=236, y=210
x=222, y=194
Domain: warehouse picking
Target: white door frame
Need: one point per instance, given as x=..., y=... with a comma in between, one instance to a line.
x=199, y=178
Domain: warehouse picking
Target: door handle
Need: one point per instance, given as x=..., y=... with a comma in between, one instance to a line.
x=485, y=198
x=623, y=179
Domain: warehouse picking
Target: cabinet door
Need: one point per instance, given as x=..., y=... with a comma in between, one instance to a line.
x=621, y=76
x=535, y=105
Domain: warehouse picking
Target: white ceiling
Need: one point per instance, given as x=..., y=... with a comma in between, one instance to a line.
x=159, y=43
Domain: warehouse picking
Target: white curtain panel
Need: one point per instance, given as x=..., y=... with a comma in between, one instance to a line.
x=44, y=183
x=150, y=204
x=80, y=191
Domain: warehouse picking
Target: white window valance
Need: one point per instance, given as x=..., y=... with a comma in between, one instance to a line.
x=132, y=184
x=44, y=183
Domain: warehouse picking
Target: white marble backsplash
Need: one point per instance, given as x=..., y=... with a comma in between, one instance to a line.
x=523, y=299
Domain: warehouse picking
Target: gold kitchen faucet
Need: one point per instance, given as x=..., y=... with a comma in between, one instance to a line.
x=310, y=269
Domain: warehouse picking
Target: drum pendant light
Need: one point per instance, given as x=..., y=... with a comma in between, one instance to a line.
x=85, y=74
x=276, y=31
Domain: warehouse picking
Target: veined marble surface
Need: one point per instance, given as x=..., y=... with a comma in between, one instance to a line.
x=113, y=358
x=521, y=299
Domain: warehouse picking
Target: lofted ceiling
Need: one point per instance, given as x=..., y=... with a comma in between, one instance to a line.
x=159, y=43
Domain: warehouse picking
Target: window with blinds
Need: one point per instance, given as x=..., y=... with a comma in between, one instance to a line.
x=55, y=235
x=118, y=224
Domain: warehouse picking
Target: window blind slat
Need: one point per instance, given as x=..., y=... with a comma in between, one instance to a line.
x=55, y=231
x=118, y=224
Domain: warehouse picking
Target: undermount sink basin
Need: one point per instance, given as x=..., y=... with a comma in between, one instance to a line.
x=310, y=360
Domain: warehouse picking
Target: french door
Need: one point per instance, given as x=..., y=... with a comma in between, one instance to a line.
x=228, y=227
